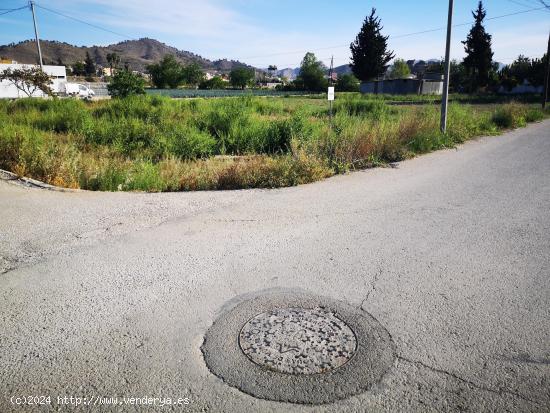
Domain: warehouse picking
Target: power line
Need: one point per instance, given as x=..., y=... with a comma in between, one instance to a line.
x=86, y=23
x=545, y=5
x=539, y=2
x=520, y=4
x=398, y=36
x=12, y=10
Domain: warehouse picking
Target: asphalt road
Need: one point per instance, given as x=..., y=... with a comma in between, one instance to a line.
x=110, y=294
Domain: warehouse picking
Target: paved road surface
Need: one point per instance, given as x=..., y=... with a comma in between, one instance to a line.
x=111, y=294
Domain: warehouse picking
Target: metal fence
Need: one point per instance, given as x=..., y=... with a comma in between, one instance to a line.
x=99, y=88
x=101, y=91
x=199, y=93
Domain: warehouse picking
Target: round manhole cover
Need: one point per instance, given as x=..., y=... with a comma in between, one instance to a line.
x=295, y=347
x=298, y=341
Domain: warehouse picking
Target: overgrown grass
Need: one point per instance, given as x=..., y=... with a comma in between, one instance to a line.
x=159, y=144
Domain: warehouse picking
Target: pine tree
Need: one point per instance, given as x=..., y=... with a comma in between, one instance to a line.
x=369, y=51
x=479, y=56
x=89, y=65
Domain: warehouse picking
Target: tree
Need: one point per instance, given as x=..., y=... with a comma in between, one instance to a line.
x=312, y=74
x=79, y=69
x=369, y=51
x=400, y=69
x=192, y=74
x=215, y=83
x=89, y=65
x=114, y=60
x=241, y=77
x=537, y=73
x=167, y=73
x=523, y=69
x=125, y=83
x=28, y=80
x=347, y=83
x=479, y=56
x=272, y=70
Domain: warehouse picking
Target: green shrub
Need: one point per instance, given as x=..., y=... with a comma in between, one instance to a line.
x=534, y=115
x=503, y=118
x=159, y=144
x=109, y=175
x=514, y=115
x=377, y=109
x=190, y=143
x=125, y=83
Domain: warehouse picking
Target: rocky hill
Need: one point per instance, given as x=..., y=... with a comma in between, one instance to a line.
x=136, y=53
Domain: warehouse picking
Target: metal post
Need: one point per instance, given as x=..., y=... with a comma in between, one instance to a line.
x=445, y=99
x=547, y=77
x=330, y=84
x=31, y=4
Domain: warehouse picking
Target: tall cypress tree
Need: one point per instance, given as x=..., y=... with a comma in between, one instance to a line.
x=369, y=52
x=89, y=65
x=479, y=56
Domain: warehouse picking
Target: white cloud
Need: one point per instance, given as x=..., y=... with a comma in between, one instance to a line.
x=206, y=18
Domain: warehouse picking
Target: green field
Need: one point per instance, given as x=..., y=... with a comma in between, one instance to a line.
x=155, y=143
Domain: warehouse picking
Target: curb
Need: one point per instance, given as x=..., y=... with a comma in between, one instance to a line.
x=15, y=179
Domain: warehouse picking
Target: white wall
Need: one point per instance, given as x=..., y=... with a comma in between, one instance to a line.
x=8, y=90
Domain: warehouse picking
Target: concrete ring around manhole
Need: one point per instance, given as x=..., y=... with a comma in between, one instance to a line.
x=298, y=348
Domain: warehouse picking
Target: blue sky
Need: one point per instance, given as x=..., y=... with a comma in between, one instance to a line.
x=262, y=32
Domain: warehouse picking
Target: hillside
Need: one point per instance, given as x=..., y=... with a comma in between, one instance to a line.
x=137, y=53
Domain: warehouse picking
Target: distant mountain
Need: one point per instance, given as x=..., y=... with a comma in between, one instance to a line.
x=136, y=53
x=289, y=73
x=292, y=74
x=342, y=70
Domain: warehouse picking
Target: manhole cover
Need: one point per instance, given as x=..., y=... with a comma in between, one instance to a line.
x=298, y=341
x=296, y=347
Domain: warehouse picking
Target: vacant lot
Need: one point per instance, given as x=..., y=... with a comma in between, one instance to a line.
x=160, y=144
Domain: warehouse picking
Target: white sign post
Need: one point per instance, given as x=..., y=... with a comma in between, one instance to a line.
x=331, y=93
x=330, y=97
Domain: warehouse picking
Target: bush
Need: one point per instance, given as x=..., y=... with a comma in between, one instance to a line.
x=215, y=83
x=159, y=144
x=190, y=143
x=347, y=83
x=124, y=83
x=514, y=115
x=377, y=109
x=504, y=118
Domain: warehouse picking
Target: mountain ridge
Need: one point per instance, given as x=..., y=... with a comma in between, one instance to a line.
x=138, y=54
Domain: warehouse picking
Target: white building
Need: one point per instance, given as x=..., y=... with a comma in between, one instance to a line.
x=58, y=74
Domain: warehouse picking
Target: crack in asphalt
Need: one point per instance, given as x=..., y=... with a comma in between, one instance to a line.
x=372, y=288
x=526, y=358
x=8, y=264
x=499, y=391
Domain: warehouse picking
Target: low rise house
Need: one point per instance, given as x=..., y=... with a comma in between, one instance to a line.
x=107, y=71
x=58, y=75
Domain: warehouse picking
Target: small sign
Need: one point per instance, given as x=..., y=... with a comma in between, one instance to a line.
x=331, y=93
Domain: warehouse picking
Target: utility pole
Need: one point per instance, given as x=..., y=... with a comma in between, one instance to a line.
x=547, y=77
x=445, y=100
x=31, y=5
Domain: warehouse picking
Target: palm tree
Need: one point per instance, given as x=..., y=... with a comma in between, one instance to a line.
x=113, y=59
